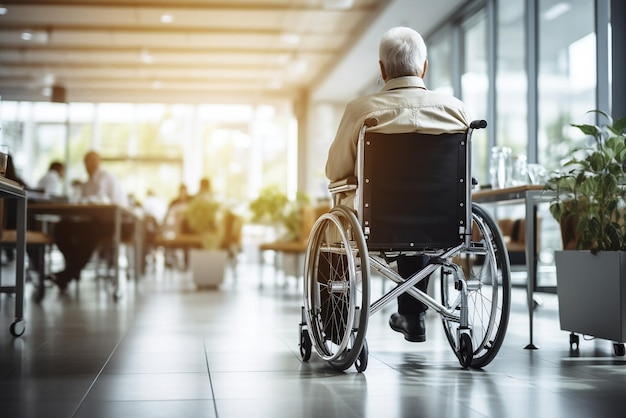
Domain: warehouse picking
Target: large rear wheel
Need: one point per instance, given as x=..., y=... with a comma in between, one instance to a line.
x=336, y=287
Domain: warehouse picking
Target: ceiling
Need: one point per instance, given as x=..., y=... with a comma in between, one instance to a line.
x=208, y=51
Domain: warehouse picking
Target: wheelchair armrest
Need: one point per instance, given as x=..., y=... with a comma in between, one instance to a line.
x=339, y=186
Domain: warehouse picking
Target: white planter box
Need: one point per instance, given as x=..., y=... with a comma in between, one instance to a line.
x=293, y=264
x=592, y=293
x=207, y=267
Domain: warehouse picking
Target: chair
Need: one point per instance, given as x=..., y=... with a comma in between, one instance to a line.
x=38, y=244
x=412, y=196
x=514, y=234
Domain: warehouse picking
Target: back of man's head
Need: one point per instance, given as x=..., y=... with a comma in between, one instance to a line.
x=402, y=52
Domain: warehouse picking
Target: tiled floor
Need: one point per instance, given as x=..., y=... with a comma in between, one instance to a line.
x=167, y=350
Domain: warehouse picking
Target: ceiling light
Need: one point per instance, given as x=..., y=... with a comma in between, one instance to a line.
x=290, y=38
x=556, y=11
x=298, y=66
x=156, y=85
x=338, y=4
x=167, y=18
x=48, y=79
x=3, y=10
x=282, y=58
x=145, y=57
x=27, y=35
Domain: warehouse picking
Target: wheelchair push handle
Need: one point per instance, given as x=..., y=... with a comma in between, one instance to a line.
x=478, y=124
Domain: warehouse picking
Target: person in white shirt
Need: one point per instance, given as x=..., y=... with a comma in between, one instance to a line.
x=102, y=186
x=77, y=240
x=52, y=182
x=155, y=206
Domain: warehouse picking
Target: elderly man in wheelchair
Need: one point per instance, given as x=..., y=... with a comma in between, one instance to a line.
x=400, y=173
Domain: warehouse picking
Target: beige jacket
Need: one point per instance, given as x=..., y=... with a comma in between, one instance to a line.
x=403, y=105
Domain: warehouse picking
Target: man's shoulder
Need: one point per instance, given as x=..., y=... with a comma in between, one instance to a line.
x=444, y=99
x=391, y=101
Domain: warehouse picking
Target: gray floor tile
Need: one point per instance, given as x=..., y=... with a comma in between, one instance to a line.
x=165, y=349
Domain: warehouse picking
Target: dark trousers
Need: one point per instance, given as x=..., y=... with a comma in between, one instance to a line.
x=78, y=240
x=407, y=266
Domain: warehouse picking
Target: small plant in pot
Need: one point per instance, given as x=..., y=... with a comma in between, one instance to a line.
x=205, y=217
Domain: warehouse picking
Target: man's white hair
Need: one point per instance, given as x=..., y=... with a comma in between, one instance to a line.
x=403, y=52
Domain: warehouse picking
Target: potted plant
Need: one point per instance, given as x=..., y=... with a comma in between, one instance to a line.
x=590, y=205
x=274, y=208
x=206, y=217
x=286, y=217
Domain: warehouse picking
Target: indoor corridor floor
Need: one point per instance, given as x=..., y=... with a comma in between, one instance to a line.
x=167, y=350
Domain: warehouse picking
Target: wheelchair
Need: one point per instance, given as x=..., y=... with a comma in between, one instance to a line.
x=412, y=194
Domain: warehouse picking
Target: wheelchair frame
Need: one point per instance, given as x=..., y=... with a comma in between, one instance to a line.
x=337, y=271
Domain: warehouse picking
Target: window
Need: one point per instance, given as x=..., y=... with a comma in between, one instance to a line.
x=567, y=75
x=242, y=148
x=475, y=88
x=439, y=73
x=511, y=79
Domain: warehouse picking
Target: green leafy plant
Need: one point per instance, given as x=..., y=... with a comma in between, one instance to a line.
x=591, y=189
x=206, y=217
x=274, y=207
x=269, y=205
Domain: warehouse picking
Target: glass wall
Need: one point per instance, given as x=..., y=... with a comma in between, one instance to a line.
x=440, y=64
x=566, y=75
x=475, y=88
x=511, y=80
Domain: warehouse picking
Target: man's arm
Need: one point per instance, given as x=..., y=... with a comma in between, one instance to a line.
x=342, y=152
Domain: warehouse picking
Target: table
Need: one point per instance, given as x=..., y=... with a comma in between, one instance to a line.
x=530, y=196
x=12, y=190
x=99, y=212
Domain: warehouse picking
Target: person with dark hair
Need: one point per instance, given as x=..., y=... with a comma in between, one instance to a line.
x=205, y=188
x=403, y=105
x=52, y=182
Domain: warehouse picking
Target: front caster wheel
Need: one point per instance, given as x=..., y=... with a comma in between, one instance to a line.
x=466, y=352
x=361, y=360
x=18, y=327
x=574, y=342
x=305, y=345
x=619, y=349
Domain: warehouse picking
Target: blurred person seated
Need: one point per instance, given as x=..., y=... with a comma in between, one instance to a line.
x=51, y=184
x=205, y=191
x=154, y=206
x=77, y=240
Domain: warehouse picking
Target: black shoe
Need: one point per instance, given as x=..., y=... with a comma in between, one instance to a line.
x=60, y=279
x=412, y=326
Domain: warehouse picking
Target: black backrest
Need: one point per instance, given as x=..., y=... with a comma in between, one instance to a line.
x=414, y=190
